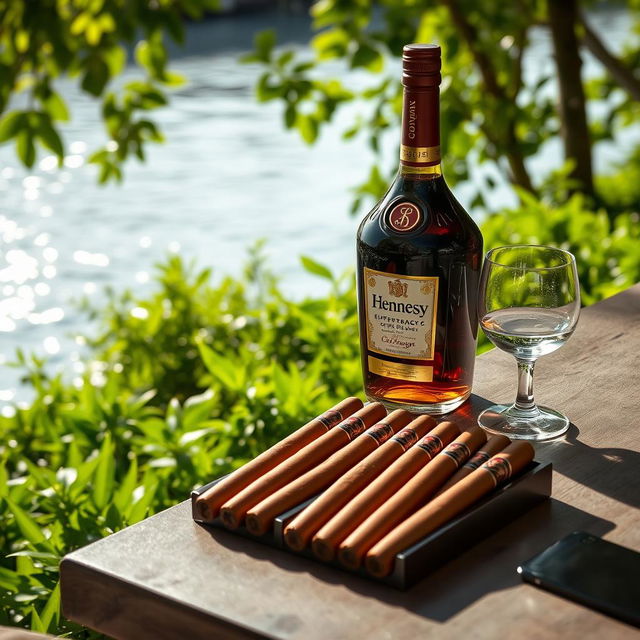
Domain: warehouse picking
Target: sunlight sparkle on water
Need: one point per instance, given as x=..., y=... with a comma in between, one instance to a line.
x=92, y=259
x=51, y=345
x=22, y=267
x=50, y=254
x=74, y=161
x=50, y=163
x=55, y=314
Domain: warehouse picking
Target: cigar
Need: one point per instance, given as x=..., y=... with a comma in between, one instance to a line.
x=209, y=503
x=493, y=445
x=326, y=540
x=498, y=470
x=299, y=531
x=409, y=497
x=234, y=510
x=260, y=517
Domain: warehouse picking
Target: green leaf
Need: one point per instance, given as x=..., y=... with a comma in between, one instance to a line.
x=316, y=268
x=308, y=127
x=49, y=137
x=36, y=623
x=264, y=42
x=25, y=147
x=124, y=492
x=221, y=368
x=95, y=77
x=11, y=124
x=366, y=56
x=104, y=474
x=56, y=107
x=50, y=615
x=29, y=529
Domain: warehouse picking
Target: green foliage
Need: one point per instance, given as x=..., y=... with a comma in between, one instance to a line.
x=89, y=41
x=202, y=380
x=488, y=114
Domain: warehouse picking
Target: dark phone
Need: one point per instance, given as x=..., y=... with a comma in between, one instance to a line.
x=591, y=571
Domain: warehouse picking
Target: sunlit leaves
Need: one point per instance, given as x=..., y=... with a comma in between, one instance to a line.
x=87, y=41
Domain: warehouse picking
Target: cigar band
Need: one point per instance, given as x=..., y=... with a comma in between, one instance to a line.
x=330, y=418
x=380, y=432
x=499, y=468
x=352, y=426
x=478, y=459
x=458, y=452
x=406, y=438
x=431, y=445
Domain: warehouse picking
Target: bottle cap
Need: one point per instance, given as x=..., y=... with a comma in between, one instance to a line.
x=421, y=65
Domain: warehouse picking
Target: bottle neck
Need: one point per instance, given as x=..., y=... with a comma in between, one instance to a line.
x=420, y=142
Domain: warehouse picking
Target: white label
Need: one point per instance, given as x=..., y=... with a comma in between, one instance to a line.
x=401, y=314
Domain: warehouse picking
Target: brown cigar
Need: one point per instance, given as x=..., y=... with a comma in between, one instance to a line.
x=409, y=497
x=493, y=445
x=260, y=517
x=326, y=541
x=234, y=510
x=299, y=531
x=209, y=503
x=440, y=510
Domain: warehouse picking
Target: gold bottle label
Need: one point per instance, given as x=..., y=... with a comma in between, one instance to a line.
x=401, y=315
x=419, y=154
x=399, y=371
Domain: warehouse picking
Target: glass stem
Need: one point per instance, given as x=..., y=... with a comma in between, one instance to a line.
x=524, y=399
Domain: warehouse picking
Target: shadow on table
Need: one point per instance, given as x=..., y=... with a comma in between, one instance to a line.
x=611, y=471
x=487, y=567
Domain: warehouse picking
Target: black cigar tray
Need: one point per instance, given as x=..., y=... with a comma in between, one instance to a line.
x=506, y=503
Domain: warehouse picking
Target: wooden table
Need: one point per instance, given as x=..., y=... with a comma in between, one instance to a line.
x=168, y=577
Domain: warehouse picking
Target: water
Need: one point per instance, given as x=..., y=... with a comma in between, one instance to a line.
x=526, y=332
x=228, y=175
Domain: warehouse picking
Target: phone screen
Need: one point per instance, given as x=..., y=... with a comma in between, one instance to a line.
x=592, y=571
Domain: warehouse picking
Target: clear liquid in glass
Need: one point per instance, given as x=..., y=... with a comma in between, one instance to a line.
x=528, y=332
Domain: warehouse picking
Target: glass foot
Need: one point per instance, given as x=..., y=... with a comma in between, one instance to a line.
x=539, y=423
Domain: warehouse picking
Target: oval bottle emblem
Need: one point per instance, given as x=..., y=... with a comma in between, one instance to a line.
x=404, y=217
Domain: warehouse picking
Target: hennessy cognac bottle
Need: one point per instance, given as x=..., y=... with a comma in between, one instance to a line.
x=419, y=258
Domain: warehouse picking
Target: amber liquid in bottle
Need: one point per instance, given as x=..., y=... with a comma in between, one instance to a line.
x=419, y=258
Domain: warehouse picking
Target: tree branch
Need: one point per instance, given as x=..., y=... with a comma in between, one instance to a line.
x=519, y=173
x=618, y=70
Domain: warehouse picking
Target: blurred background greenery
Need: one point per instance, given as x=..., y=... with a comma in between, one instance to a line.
x=208, y=374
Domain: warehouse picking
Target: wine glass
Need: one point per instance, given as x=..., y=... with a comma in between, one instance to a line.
x=529, y=303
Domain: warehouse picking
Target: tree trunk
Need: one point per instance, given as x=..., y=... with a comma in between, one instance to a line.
x=563, y=16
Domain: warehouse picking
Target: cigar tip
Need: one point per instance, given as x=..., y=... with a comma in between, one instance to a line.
x=349, y=558
x=228, y=519
x=204, y=511
x=255, y=524
x=293, y=539
x=375, y=567
x=322, y=550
